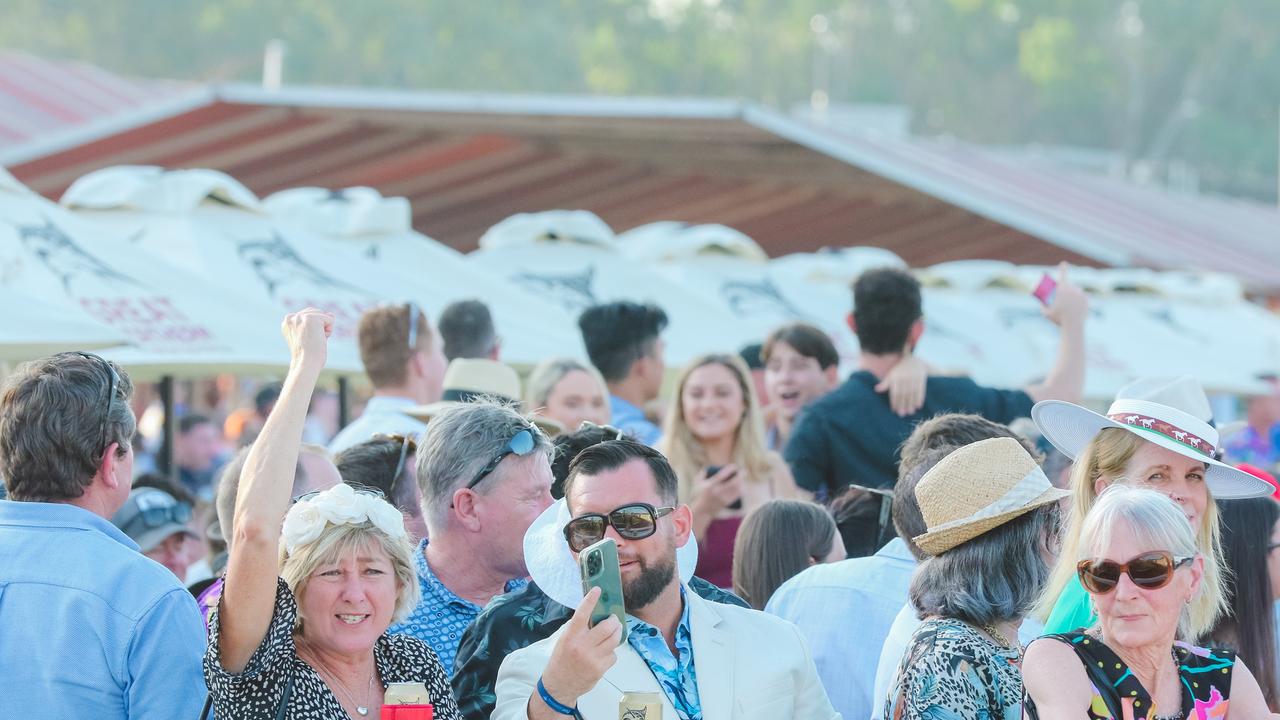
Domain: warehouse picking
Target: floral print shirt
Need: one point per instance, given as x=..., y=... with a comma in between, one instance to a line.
x=676, y=674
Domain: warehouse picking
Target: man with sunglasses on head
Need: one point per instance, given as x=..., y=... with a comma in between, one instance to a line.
x=485, y=476
x=385, y=463
x=403, y=357
x=703, y=659
x=91, y=628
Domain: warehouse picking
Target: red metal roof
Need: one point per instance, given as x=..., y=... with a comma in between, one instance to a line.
x=40, y=97
x=467, y=161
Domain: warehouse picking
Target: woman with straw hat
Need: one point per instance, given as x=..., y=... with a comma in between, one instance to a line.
x=992, y=518
x=1158, y=434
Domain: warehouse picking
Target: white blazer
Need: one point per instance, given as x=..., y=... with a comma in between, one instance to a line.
x=750, y=666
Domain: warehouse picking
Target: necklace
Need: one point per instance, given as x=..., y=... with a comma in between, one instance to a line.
x=363, y=710
x=999, y=637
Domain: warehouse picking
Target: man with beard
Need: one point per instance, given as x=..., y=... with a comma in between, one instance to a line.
x=752, y=665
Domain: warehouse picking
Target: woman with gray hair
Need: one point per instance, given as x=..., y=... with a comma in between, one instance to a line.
x=1143, y=570
x=568, y=392
x=992, y=519
x=301, y=627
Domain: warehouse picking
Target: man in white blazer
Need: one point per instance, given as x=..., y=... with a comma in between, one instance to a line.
x=706, y=661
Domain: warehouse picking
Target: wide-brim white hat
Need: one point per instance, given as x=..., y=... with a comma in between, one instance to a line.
x=551, y=563
x=1173, y=413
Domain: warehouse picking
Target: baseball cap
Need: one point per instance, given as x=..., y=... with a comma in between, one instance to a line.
x=150, y=515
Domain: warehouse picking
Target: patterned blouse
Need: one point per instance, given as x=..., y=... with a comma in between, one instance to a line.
x=952, y=672
x=1205, y=675
x=256, y=691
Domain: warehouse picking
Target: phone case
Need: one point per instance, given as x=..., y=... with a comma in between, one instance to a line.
x=599, y=566
x=1045, y=291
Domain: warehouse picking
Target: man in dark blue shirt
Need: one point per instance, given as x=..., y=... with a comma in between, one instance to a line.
x=851, y=435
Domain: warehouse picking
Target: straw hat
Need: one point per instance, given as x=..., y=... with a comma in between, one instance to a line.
x=1173, y=413
x=551, y=564
x=979, y=487
x=469, y=379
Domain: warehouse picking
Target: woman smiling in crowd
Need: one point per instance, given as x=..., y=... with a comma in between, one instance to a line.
x=714, y=438
x=568, y=392
x=301, y=625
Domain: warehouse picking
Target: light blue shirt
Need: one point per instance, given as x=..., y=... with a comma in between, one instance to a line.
x=382, y=414
x=676, y=674
x=824, y=599
x=441, y=616
x=89, y=627
x=631, y=420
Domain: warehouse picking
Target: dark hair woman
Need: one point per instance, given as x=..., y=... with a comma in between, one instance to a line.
x=776, y=541
x=1248, y=625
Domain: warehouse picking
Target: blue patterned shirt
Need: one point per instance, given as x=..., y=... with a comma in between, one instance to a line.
x=441, y=616
x=676, y=675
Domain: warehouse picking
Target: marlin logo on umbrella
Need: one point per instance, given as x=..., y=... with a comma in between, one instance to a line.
x=277, y=264
x=571, y=291
x=64, y=257
x=750, y=298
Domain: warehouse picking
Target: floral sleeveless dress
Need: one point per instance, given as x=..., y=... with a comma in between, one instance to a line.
x=1117, y=694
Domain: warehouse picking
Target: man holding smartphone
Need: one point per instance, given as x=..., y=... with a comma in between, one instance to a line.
x=755, y=665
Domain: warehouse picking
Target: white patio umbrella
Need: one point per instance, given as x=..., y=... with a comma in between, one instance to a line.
x=573, y=259
x=208, y=222
x=174, y=321
x=33, y=328
x=379, y=229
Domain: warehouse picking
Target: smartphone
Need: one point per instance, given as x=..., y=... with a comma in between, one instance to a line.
x=736, y=504
x=1045, y=291
x=599, y=566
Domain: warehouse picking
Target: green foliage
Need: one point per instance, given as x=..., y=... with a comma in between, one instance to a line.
x=1160, y=81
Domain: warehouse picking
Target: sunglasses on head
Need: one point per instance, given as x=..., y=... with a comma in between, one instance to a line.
x=156, y=516
x=362, y=489
x=636, y=521
x=607, y=429
x=413, y=326
x=407, y=445
x=112, y=385
x=1148, y=571
x=520, y=444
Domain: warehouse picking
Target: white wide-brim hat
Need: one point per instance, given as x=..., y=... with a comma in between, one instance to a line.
x=1173, y=413
x=551, y=563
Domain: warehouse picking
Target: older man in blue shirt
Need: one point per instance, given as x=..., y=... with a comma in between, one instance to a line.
x=91, y=627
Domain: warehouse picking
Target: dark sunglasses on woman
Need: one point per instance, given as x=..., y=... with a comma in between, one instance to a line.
x=636, y=521
x=1149, y=571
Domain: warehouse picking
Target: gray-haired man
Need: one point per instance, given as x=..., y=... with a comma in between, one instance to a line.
x=485, y=474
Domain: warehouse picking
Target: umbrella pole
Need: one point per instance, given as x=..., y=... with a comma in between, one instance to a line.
x=344, y=402
x=165, y=461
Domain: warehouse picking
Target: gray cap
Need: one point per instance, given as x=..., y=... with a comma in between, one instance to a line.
x=150, y=516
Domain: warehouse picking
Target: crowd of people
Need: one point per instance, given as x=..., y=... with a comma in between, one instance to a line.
x=899, y=544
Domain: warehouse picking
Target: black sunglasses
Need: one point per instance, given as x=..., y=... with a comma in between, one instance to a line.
x=636, y=521
x=112, y=386
x=520, y=444
x=159, y=516
x=1148, y=571
x=407, y=445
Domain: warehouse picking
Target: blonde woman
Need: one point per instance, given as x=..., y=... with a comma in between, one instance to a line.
x=568, y=392
x=1156, y=434
x=301, y=627
x=714, y=438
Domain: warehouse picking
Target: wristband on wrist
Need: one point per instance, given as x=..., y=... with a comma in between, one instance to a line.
x=554, y=704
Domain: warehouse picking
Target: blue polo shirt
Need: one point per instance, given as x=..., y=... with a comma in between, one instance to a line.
x=89, y=627
x=441, y=615
x=632, y=421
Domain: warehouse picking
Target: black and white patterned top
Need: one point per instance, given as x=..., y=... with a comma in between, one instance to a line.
x=255, y=692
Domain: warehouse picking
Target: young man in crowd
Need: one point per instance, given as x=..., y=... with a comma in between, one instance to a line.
x=197, y=446
x=852, y=435
x=800, y=366
x=485, y=476
x=403, y=360
x=91, y=627
x=624, y=342
x=703, y=659
x=466, y=326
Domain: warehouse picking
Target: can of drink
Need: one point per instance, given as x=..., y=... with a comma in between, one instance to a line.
x=407, y=701
x=640, y=706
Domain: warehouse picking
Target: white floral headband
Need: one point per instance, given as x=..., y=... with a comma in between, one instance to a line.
x=339, y=505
